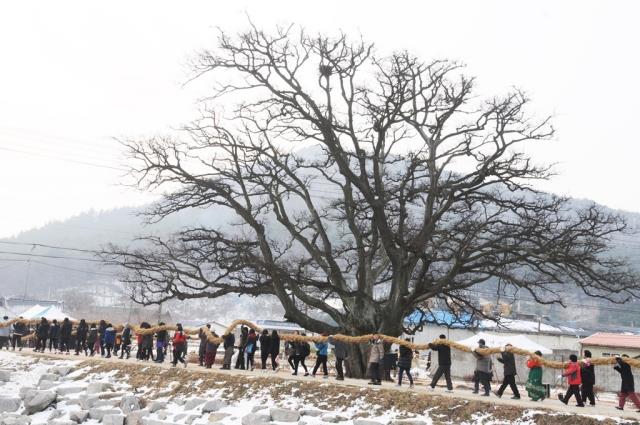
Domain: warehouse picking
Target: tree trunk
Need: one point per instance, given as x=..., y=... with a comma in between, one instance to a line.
x=358, y=361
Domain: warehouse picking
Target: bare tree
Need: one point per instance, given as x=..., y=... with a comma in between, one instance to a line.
x=360, y=187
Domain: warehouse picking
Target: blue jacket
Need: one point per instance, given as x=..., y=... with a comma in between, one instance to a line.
x=109, y=336
x=322, y=347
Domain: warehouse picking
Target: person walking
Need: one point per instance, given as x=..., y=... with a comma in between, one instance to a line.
x=20, y=329
x=242, y=343
x=444, y=364
x=274, y=349
x=405, y=360
x=162, y=342
x=290, y=351
x=5, y=333
x=376, y=356
x=54, y=334
x=102, y=327
x=574, y=378
x=588, y=373
x=302, y=352
x=109, y=339
x=179, y=341
x=534, y=387
x=229, y=341
x=341, y=351
x=81, y=337
x=202, y=348
x=250, y=349
x=509, y=367
x=65, y=335
x=484, y=370
x=627, y=386
x=322, y=353
x=146, y=342
x=265, y=348
x=210, y=351
x=126, y=341
x=92, y=340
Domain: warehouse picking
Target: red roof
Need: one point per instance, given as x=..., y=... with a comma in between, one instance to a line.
x=604, y=339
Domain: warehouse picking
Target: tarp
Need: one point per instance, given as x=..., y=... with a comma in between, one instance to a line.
x=49, y=313
x=520, y=341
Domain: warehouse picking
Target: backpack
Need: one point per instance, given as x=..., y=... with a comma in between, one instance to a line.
x=306, y=349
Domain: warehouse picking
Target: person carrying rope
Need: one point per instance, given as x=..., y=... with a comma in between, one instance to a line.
x=484, y=370
x=509, y=363
x=534, y=387
x=179, y=340
x=444, y=364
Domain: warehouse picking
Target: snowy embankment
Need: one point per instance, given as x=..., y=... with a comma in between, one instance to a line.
x=40, y=390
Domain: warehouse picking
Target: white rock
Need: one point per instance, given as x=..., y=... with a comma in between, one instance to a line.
x=408, y=422
x=313, y=412
x=332, y=419
x=79, y=416
x=113, y=419
x=99, y=387
x=105, y=403
x=48, y=377
x=24, y=390
x=193, y=403
x=256, y=419
x=129, y=403
x=157, y=405
x=284, y=415
x=5, y=375
x=147, y=421
x=62, y=370
x=14, y=419
x=214, y=406
x=46, y=385
x=135, y=417
x=162, y=414
x=217, y=416
x=95, y=413
x=365, y=422
x=69, y=389
x=9, y=404
x=61, y=422
x=87, y=402
x=255, y=409
x=36, y=401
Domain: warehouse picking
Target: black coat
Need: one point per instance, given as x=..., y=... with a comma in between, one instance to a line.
x=265, y=344
x=588, y=375
x=406, y=357
x=43, y=330
x=509, y=363
x=229, y=340
x=126, y=336
x=82, y=331
x=54, y=331
x=340, y=349
x=274, y=347
x=444, y=354
x=625, y=372
x=65, y=330
x=93, y=336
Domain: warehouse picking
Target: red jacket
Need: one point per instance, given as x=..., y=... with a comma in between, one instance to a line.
x=179, y=338
x=572, y=372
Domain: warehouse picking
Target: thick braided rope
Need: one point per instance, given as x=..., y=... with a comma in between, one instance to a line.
x=363, y=339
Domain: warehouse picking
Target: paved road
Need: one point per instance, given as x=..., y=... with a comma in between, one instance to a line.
x=605, y=406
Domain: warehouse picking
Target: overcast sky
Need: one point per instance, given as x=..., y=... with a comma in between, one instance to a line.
x=73, y=75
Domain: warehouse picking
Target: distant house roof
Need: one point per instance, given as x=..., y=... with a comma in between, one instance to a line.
x=617, y=340
x=528, y=326
x=441, y=318
x=279, y=325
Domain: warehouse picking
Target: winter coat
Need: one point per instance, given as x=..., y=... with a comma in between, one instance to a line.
x=444, y=354
x=275, y=346
x=203, y=341
x=5, y=332
x=377, y=352
x=588, y=373
x=43, y=329
x=54, y=331
x=210, y=347
x=322, y=347
x=243, y=340
x=102, y=326
x=265, y=343
x=126, y=336
x=339, y=348
x=65, y=330
x=627, y=385
x=302, y=349
x=229, y=340
x=572, y=372
x=179, y=339
x=162, y=338
x=82, y=330
x=20, y=329
x=483, y=363
x=252, y=341
x=93, y=336
x=109, y=336
x=509, y=363
x=406, y=357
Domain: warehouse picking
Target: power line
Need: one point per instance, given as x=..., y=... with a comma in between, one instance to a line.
x=52, y=247
x=63, y=159
x=24, y=254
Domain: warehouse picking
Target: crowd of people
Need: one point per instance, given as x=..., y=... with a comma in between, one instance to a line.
x=102, y=339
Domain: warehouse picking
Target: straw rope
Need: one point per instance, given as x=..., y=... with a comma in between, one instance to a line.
x=363, y=339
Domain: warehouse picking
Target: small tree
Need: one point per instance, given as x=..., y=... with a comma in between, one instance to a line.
x=359, y=188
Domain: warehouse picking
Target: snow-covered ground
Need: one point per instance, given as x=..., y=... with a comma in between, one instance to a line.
x=39, y=390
